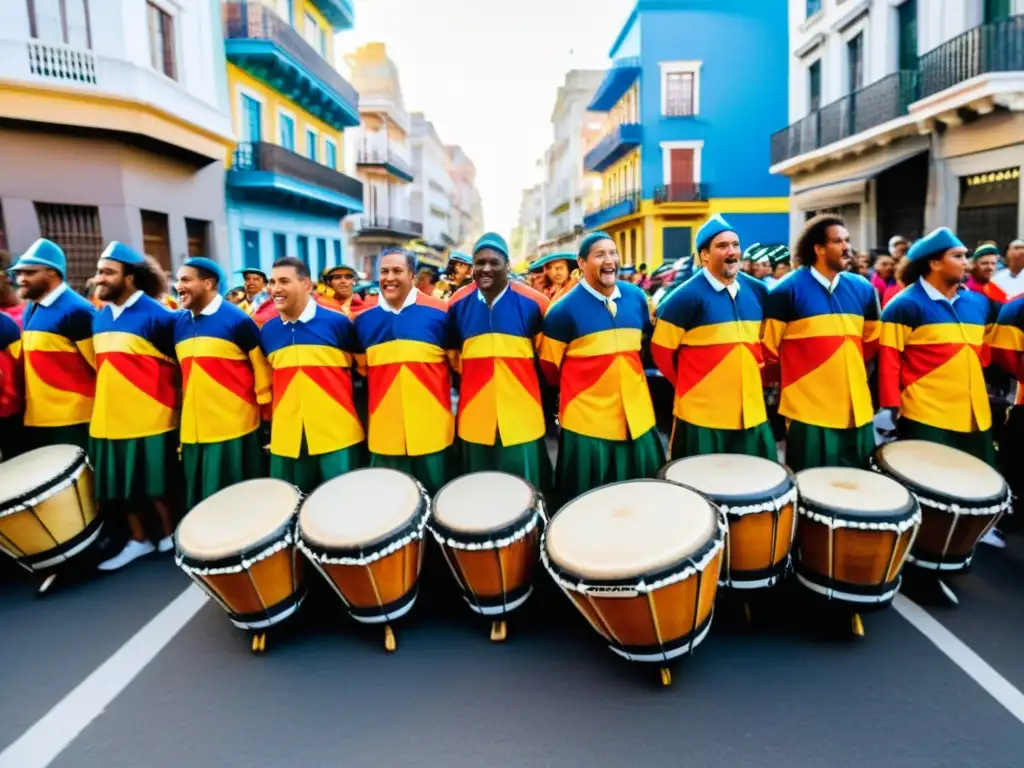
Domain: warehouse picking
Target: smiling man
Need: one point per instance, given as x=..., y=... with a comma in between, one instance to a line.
x=494, y=328
x=707, y=343
x=933, y=350
x=591, y=349
x=225, y=384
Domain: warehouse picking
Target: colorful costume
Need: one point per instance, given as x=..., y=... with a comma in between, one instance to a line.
x=591, y=349
x=411, y=425
x=225, y=381
x=821, y=334
x=1006, y=342
x=315, y=433
x=12, y=399
x=707, y=343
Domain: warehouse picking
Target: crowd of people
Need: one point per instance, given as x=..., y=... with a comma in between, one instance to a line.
x=174, y=399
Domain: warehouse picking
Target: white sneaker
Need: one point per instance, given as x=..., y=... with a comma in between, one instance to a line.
x=133, y=550
x=993, y=539
x=165, y=544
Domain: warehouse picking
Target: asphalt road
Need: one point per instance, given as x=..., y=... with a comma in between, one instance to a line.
x=783, y=692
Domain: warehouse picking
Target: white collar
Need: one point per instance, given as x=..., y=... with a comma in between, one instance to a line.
x=409, y=301
x=934, y=294
x=823, y=281
x=497, y=298
x=733, y=288
x=213, y=306
x=306, y=315
x=117, y=311
x=617, y=294
x=52, y=296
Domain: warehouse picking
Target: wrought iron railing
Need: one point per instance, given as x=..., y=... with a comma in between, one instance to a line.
x=613, y=200
x=994, y=47
x=261, y=156
x=391, y=224
x=681, y=193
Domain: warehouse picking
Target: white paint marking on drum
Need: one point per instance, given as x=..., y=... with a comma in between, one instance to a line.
x=53, y=733
x=997, y=686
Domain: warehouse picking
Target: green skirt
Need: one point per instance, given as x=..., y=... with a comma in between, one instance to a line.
x=72, y=434
x=692, y=440
x=211, y=467
x=307, y=472
x=529, y=461
x=978, y=444
x=433, y=470
x=808, y=446
x=12, y=436
x=589, y=462
x=137, y=468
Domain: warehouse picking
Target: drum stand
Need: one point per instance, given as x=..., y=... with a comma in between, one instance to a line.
x=499, y=631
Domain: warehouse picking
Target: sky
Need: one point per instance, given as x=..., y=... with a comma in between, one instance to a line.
x=486, y=73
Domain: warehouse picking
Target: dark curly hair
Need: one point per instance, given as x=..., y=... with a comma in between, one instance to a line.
x=909, y=272
x=815, y=232
x=149, y=277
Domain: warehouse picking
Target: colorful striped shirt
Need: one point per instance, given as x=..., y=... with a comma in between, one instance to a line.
x=136, y=373
x=312, y=363
x=592, y=352
x=409, y=378
x=224, y=376
x=499, y=392
x=12, y=399
x=707, y=342
x=822, y=334
x=932, y=357
x=1006, y=343
x=59, y=362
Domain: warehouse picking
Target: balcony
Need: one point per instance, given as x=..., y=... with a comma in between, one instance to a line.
x=622, y=139
x=984, y=50
x=268, y=48
x=680, y=193
x=340, y=14
x=611, y=208
x=377, y=225
x=384, y=157
x=270, y=174
x=617, y=80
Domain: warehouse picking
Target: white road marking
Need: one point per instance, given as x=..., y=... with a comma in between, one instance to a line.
x=994, y=684
x=44, y=741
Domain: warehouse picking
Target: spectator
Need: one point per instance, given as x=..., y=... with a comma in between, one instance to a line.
x=1011, y=278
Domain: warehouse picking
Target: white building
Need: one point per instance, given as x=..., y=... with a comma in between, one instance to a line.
x=532, y=220
x=467, y=216
x=119, y=128
x=906, y=115
x=430, y=201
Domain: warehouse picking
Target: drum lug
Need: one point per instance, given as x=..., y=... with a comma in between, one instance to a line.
x=666, y=676
x=389, y=639
x=259, y=642
x=857, y=625
x=47, y=583
x=499, y=631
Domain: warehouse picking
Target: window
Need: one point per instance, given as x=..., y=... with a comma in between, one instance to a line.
x=286, y=131
x=60, y=21
x=813, y=6
x=251, y=248
x=321, y=257
x=681, y=170
x=303, y=243
x=337, y=252
x=286, y=11
x=156, y=237
x=311, y=144
x=814, y=86
x=330, y=153
x=196, y=230
x=996, y=10
x=76, y=229
x=314, y=35
x=855, y=63
x=280, y=245
x=906, y=18
x=161, y=40
x=680, y=88
x=252, y=119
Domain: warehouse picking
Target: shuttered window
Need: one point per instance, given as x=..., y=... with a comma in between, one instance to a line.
x=76, y=229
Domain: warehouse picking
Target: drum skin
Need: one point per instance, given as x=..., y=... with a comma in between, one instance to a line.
x=51, y=531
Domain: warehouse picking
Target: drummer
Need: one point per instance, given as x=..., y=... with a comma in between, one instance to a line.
x=821, y=326
x=59, y=362
x=706, y=342
x=12, y=398
x=225, y=385
x=930, y=370
x=494, y=326
x=255, y=289
x=404, y=335
x=133, y=435
x=591, y=349
x=315, y=432
x=341, y=280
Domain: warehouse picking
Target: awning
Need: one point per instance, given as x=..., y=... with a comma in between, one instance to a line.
x=848, y=183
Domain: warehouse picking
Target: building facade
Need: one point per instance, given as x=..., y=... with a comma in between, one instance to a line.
x=380, y=151
x=113, y=126
x=693, y=91
x=431, y=197
x=286, y=191
x=467, y=213
x=905, y=115
x=532, y=221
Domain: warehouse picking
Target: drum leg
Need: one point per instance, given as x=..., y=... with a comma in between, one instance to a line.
x=947, y=592
x=746, y=612
x=857, y=625
x=259, y=642
x=499, y=631
x=666, y=676
x=389, y=639
x=47, y=583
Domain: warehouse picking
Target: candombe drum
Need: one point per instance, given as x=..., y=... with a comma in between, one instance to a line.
x=758, y=498
x=961, y=497
x=238, y=545
x=48, y=515
x=363, y=531
x=852, y=538
x=641, y=561
x=488, y=525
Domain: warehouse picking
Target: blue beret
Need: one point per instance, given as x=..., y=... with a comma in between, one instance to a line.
x=543, y=261
x=43, y=253
x=492, y=240
x=589, y=240
x=210, y=266
x=934, y=244
x=985, y=250
x=120, y=252
x=712, y=228
x=460, y=258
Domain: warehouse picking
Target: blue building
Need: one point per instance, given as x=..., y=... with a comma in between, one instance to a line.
x=694, y=91
x=286, y=193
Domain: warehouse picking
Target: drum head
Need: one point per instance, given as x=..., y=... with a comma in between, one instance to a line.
x=630, y=529
x=483, y=502
x=854, y=494
x=236, y=519
x=727, y=476
x=940, y=471
x=26, y=475
x=359, y=508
